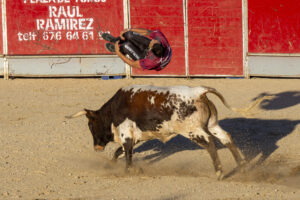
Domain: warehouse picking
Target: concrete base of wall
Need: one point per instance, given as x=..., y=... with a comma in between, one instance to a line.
x=274, y=66
x=63, y=66
x=1, y=66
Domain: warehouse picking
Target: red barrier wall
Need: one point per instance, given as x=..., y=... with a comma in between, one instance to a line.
x=215, y=37
x=1, y=33
x=70, y=27
x=168, y=17
x=63, y=27
x=274, y=26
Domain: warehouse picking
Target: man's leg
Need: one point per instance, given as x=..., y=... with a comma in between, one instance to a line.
x=135, y=45
x=108, y=37
x=128, y=48
x=138, y=40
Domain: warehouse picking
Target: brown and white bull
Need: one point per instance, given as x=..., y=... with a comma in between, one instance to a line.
x=143, y=112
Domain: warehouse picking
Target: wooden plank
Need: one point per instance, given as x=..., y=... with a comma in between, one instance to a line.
x=167, y=17
x=65, y=66
x=274, y=26
x=37, y=28
x=2, y=25
x=278, y=66
x=215, y=37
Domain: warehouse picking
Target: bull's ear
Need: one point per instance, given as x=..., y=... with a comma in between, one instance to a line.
x=90, y=114
x=134, y=125
x=113, y=128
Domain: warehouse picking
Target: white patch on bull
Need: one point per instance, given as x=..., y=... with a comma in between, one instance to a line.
x=152, y=100
x=185, y=92
x=127, y=129
x=190, y=124
x=168, y=130
x=219, y=133
x=167, y=104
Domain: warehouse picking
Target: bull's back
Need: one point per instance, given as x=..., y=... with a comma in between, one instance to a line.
x=151, y=106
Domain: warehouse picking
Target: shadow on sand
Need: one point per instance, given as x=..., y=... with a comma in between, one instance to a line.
x=252, y=136
x=280, y=101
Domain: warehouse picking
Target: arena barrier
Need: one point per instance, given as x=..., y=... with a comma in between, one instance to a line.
x=62, y=38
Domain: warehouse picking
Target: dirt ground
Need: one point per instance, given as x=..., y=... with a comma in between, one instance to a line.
x=45, y=156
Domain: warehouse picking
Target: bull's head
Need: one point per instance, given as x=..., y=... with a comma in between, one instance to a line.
x=101, y=133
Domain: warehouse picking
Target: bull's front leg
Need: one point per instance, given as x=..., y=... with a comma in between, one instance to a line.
x=117, y=153
x=128, y=148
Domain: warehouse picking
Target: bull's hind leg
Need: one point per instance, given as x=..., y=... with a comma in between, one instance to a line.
x=223, y=136
x=205, y=140
x=226, y=139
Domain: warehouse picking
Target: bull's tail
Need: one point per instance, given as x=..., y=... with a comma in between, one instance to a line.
x=247, y=111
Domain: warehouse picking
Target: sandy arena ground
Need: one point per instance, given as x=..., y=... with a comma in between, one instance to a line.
x=45, y=156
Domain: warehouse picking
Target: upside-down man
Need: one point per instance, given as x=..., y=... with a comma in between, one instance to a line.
x=147, y=49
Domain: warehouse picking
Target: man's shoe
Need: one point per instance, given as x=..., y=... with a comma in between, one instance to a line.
x=109, y=37
x=110, y=47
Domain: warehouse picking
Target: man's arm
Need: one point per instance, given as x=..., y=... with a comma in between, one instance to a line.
x=132, y=63
x=141, y=31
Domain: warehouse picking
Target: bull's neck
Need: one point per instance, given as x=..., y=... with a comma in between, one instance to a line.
x=105, y=114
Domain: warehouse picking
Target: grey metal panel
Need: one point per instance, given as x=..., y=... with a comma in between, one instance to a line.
x=1, y=66
x=281, y=66
x=65, y=66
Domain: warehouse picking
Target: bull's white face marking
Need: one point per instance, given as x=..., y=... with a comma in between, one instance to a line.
x=126, y=129
x=186, y=92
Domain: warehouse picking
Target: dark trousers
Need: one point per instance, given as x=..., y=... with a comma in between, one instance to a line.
x=135, y=45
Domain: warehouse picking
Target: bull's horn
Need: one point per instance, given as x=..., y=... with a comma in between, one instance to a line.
x=83, y=112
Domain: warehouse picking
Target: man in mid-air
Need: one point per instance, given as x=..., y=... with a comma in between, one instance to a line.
x=146, y=49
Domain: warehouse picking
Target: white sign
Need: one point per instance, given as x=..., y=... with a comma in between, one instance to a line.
x=63, y=22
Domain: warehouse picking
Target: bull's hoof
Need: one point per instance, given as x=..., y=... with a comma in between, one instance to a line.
x=242, y=166
x=134, y=170
x=242, y=163
x=113, y=161
x=220, y=175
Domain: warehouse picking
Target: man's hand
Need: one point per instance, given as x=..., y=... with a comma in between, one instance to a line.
x=122, y=32
x=117, y=47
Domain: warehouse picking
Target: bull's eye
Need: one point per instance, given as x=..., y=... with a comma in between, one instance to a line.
x=122, y=134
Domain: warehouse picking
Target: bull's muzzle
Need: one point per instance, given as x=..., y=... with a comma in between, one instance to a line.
x=98, y=148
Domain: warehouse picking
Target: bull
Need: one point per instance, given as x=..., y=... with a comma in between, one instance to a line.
x=144, y=112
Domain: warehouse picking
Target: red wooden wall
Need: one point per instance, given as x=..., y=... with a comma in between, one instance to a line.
x=168, y=17
x=36, y=28
x=1, y=32
x=215, y=37
x=214, y=34
x=274, y=26
x=214, y=30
